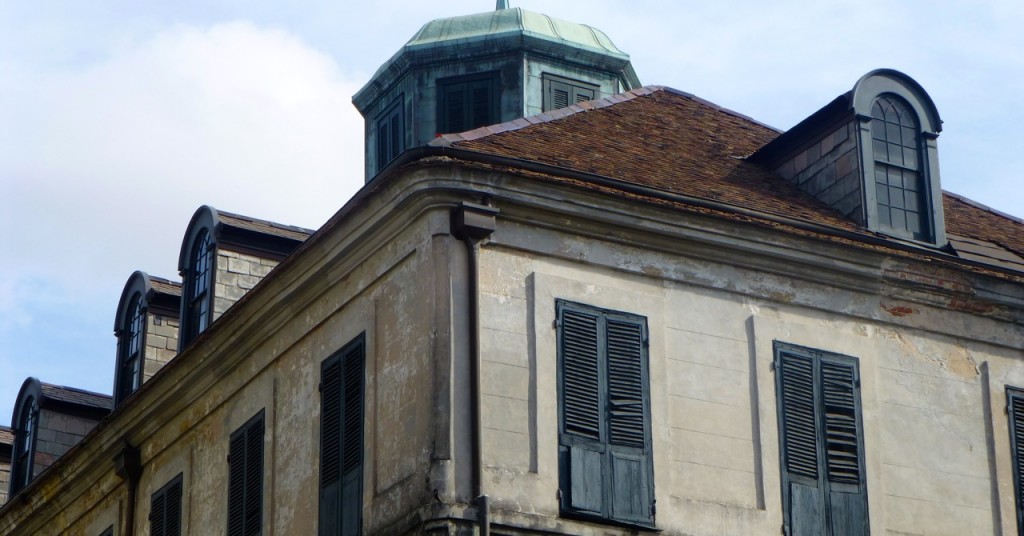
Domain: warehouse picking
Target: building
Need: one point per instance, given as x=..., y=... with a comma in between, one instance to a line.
x=641, y=312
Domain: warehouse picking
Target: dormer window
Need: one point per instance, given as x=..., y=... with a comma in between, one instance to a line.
x=130, y=372
x=198, y=282
x=899, y=190
x=24, y=445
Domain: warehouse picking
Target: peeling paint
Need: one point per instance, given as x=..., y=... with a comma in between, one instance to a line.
x=898, y=310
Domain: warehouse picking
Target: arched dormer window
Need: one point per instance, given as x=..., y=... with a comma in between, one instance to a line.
x=899, y=125
x=26, y=426
x=899, y=189
x=200, y=277
x=197, y=263
x=131, y=358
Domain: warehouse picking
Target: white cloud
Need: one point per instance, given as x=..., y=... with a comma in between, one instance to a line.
x=109, y=161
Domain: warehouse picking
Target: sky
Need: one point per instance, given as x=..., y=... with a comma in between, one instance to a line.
x=118, y=119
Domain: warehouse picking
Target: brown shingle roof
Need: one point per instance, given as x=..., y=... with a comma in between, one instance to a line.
x=660, y=138
x=79, y=397
x=165, y=286
x=673, y=141
x=264, y=226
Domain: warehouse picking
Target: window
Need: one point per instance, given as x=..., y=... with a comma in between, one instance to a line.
x=1015, y=409
x=900, y=191
x=822, y=443
x=25, y=445
x=245, y=479
x=197, y=289
x=605, y=462
x=131, y=336
x=165, y=510
x=390, y=135
x=561, y=92
x=341, y=441
x=467, y=103
x=108, y=532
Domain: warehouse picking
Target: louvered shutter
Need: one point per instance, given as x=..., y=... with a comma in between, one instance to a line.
x=236, y=485
x=352, y=443
x=454, y=108
x=605, y=440
x=799, y=434
x=173, y=513
x=157, y=513
x=1015, y=409
x=383, y=138
x=254, y=477
x=582, y=410
x=627, y=421
x=821, y=443
x=482, y=104
x=847, y=505
x=341, y=442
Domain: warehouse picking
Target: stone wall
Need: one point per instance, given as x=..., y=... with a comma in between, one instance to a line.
x=829, y=170
x=161, y=342
x=5, y=479
x=237, y=273
x=57, y=433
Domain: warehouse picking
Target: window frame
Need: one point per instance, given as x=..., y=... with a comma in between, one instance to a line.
x=884, y=163
x=445, y=86
x=828, y=477
x=198, y=300
x=337, y=452
x=601, y=454
x=25, y=437
x=244, y=465
x=136, y=316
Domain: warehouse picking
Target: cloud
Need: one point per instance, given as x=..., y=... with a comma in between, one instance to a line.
x=110, y=159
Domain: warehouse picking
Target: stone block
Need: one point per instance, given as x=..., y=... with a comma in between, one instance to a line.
x=507, y=414
x=238, y=266
x=503, y=313
x=909, y=436
x=937, y=486
x=911, y=516
x=504, y=347
x=247, y=281
x=710, y=350
x=260, y=270
x=506, y=449
x=507, y=381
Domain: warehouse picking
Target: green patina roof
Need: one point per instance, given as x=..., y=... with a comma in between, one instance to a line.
x=455, y=30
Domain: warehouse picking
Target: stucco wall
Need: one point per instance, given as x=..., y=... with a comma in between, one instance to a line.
x=932, y=389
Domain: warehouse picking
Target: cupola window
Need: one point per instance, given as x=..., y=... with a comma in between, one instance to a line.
x=198, y=295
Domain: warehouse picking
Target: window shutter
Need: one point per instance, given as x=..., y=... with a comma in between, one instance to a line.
x=1015, y=407
x=352, y=469
x=481, y=104
x=173, y=498
x=798, y=416
x=847, y=500
x=236, y=485
x=157, y=507
x=605, y=441
x=254, y=477
x=454, y=109
x=631, y=494
x=383, y=136
x=559, y=95
x=330, y=448
x=341, y=442
x=583, y=94
x=396, y=133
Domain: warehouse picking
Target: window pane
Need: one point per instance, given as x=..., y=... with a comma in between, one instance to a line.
x=895, y=197
x=899, y=218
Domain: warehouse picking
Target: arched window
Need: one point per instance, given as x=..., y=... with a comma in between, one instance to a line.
x=900, y=192
x=133, y=331
x=198, y=293
x=25, y=436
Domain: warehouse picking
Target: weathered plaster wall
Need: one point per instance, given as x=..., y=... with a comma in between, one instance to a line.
x=937, y=456
x=161, y=343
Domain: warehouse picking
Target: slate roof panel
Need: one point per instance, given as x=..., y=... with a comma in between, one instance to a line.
x=76, y=396
x=264, y=226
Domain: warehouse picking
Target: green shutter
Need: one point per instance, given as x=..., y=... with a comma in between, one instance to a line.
x=341, y=441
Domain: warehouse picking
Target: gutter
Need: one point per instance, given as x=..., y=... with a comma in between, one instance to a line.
x=473, y=223
x=437, y=149
x=128, y=466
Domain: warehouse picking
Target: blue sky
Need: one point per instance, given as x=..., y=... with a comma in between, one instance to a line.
x=118, y=119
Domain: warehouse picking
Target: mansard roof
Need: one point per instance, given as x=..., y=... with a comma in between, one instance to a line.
x=674, y=142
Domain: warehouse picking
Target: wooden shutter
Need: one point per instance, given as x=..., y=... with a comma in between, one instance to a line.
x=165, y=510
x=482, y=104
x=157, y=513
x=605, y=439
x=173, y=522
x=454, y=108
x=628, y=435
x=341, y=441
x=245, y=479
x=1015, y=409
x=383, y=138
x=821, y=443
